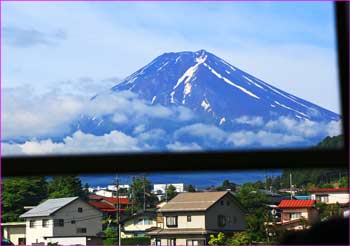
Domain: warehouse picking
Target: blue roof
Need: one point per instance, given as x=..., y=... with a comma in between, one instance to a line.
x=302, y=197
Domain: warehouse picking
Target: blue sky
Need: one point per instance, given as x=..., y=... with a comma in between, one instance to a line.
x=290, y=45
x=63, y=53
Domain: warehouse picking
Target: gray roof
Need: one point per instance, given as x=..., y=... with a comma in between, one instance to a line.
x=48, y=207
x=193, y=201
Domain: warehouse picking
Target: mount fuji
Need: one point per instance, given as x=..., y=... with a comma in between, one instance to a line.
x=185, y=94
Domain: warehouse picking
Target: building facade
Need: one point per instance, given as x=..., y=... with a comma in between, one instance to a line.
x=189, y=218
x=62, y=220
x=15, y=232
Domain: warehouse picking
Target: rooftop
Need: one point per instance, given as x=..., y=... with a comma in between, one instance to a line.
x=193, y=201
x=48, y=207
x=330, y=190
x=296, y=204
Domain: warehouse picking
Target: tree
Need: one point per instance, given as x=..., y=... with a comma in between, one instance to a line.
x=111, y=236
x=65, y=186
x=140, y=193
x=20, y=192
x=217, y=240
x=227, y=185
x=239, y=238
x=170, y=192
x=191, y=188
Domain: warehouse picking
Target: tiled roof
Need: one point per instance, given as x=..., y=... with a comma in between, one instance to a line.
x=48, y=207
x=329, y=190
x=296, y=204
x=114, y=200
x=105, y=207
x=192, y=201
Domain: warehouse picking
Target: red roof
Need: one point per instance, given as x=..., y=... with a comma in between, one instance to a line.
x=105, y=207
x=329, y=190
x=296, y=204
x=114, y=200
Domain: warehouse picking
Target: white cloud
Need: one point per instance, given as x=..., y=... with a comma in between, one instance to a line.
x=178, y=146
x=204, y=131
x=25, y=114
x=262, y=138
x=79, y=143
x=250, y=120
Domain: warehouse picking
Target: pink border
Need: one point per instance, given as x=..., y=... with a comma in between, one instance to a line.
x=117, y=1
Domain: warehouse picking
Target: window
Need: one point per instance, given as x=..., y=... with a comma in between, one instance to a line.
x=45, y=223
x=171, y=221
x=195, y=242
x=31, y=223
x=81, y=230
x=158, y=241
x=72, y=222
x=222, y=203
x=80, y=210
x=322, y=198
x=221, y=220
x=189, y=218
x=147, y=221
x=171, y=242
x=58, y=222
x=294, y=216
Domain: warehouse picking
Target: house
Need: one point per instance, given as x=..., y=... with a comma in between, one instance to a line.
x=297, y=214
x=64, y=221
x=108, y=205
x=189, y=218
x=15, y=232
x=330, y=195
x=139, y=223
x=160, y=189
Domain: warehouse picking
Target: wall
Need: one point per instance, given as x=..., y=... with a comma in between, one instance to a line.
x=131, y=225
x=181, y=240
x=37, y=233
x=197, y=220
x=334, y=197
x=90, y=218
x=235, y=217
x=285, y=213
x=14, y=232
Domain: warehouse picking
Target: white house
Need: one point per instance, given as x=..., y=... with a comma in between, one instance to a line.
x=330, y=195
x=139, y=223
x=15, y=232
x=189, y=218
x=65, y=221
x=159, y=189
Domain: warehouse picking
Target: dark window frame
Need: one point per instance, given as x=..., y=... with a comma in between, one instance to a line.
x=58, y=222
x=45, y=223
x=171, y=225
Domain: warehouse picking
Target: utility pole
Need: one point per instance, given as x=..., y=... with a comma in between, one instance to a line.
x=291, y=185
x=144, y=193
x=166, y=193
x=118, y=209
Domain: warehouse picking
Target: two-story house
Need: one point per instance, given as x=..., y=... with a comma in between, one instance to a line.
x=297, y=214
x=139, y=223
x=65, y=221
x=189, y=218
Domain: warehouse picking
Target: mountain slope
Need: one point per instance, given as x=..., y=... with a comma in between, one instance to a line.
x=204, y=82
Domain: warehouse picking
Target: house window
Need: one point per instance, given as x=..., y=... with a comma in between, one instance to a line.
x=81, y=230
x=72, y=222
x=221, y=220
x=195, y=242
x=171, y=221
x=80, y=210
x=158, y=242
x=322, y=198
x=58, y=222
x=189, y=218
x=222, y=203
x=171, y=242
x=294, y=216
x=147, y=221
x=31, y=223
x=45, y=223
